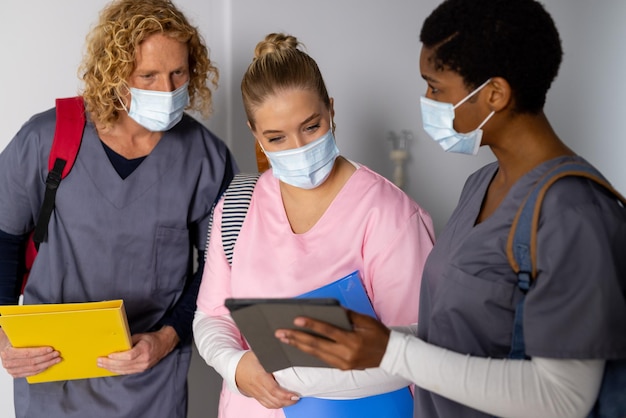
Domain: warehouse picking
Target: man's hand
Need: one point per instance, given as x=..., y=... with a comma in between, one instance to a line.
x=148, y=349
x=23, y=362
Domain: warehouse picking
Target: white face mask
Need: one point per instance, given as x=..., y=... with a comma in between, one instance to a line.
x=308, y=166
x=158, y=110
x=438, y=119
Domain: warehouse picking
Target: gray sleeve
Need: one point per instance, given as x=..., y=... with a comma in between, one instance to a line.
x=577, y=308
x=22, y=170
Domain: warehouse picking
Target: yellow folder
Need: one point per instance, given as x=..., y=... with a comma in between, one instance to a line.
x=80, y=332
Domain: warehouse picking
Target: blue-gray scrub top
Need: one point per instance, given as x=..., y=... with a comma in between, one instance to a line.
x=114, y=238
x=577, y=308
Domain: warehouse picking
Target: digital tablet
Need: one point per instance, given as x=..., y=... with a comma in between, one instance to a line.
x=259, y=318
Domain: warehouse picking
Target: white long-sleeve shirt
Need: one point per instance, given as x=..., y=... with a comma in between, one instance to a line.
x=539, y=387
x=224, y=352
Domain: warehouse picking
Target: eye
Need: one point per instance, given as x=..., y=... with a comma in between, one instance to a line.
x=312, y=128
x=433, y=90
x=274, y=139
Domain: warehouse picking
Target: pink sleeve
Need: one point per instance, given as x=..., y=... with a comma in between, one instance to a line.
x=395, y=275
x=215, y=286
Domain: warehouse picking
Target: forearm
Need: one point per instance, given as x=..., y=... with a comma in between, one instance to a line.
x=219, y=344
x=180, y=317
x=168, y=338
x=10, y=255
x=507, y=388
x=337, y=384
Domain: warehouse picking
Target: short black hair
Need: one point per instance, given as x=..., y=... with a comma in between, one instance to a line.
x=513, y=39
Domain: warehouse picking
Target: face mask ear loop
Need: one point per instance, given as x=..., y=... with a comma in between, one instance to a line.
x=476, y=90
x=262, y=149
x=493, y=112
x=122, y=101
x=123, y=106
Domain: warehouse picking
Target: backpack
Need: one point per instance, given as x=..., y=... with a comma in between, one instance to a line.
x=68, y=133
x=237, y=199
x=521, y=253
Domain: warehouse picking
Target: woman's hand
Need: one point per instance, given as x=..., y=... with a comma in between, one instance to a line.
x=361, y=348
x=253, y=381
x=148, y=349
x=24, y=362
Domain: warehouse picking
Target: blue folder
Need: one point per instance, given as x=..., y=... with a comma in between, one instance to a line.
x=351, y=294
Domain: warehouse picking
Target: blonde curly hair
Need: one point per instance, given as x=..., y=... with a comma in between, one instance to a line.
x=111, y=48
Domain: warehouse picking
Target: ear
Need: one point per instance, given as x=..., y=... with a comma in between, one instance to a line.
x=500, y=95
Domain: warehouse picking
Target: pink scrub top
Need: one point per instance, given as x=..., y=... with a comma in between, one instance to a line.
x=371, y=226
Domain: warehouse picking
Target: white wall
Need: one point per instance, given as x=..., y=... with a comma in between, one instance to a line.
x=368, y=51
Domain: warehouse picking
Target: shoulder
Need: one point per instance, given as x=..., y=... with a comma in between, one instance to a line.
x=582, y=195
x=39, y=128
x=577, y=203
x=381, y=195
x=32, y=143
x=193, y=131
x=199, y=142
x=375, y=186
x=583, y=217
x=267, y=187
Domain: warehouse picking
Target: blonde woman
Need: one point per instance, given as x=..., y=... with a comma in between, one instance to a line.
x=314, y=217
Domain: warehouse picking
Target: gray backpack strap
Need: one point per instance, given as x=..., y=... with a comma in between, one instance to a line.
x=237, y=199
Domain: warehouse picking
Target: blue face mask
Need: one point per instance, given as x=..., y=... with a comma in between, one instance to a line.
x=158, y=110
x=438, y=119
x=308, y=166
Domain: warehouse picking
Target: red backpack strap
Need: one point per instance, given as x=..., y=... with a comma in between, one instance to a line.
x=68, y=132
x=70, y=123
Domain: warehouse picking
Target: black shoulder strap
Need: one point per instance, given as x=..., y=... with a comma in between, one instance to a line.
x=68, y=133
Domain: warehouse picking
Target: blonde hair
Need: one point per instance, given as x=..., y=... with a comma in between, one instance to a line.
x=111, y=48
x=279, y=65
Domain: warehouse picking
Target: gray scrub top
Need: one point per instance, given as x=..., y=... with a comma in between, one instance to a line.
x=469, y=290
x=114, y=238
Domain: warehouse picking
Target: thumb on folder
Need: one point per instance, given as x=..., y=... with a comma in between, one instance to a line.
x=23, y=362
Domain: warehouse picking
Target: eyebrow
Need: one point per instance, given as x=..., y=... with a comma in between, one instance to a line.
x=304, y=122
x=429, y=79
x=310, y=118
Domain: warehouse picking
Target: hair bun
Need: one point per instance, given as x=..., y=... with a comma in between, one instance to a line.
x=275, y=43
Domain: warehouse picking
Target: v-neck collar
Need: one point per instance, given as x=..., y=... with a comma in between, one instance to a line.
x=121, y=192
x=518, y=190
